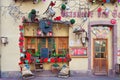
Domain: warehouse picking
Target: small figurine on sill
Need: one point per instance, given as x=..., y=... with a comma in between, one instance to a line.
x=32, y=16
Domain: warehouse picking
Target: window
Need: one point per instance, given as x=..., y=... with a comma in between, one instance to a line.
x=60, y=44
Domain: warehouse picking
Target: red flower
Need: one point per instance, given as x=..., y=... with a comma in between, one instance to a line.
x=20, y=27
x=21, y=38
x=21, y=50
x=20, y=43
x=52, y=60
x=64, y=60
x=104, y=1
x=45, y=60
x=59, y=59
x=21, y=34
x=28, y=57
x=41, y=60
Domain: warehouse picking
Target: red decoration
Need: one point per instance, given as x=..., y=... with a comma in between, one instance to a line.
x=104, y=1
x=20, y=43
x=20, y=62
x=21, y=34
x=20, y=27
x=110, y=27
x=57, y=18
x=113, y=21
x=21, y=38
x=21, y=50
x=50, y=33
x=59, y=59
x=52, y=3
x=28, y=57
x=99, y=9
x=64, y=60
x=41, y=60
x=45, y=60
x=52, y=60
x=38, y=32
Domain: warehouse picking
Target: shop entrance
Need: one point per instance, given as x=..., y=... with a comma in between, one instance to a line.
x=100, y=60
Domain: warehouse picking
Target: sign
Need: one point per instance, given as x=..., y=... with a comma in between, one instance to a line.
x=44, y=53
x=77, y=51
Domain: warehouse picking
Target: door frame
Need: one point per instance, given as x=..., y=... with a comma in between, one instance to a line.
x=106, y=52
x=114, y=44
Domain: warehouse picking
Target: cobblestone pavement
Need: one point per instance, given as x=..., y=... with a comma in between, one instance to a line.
x=71, y=78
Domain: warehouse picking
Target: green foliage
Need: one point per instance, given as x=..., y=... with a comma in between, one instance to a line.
x=37, y=54
x=55, y=65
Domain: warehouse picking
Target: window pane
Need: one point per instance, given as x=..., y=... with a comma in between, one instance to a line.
x=42, y=42
x=51, y=43
x=62, y=45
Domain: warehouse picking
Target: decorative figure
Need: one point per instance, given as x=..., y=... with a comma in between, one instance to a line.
x=32, y=15
x=50, y=12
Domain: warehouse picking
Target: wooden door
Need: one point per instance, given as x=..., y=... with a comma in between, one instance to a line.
x=100, y=61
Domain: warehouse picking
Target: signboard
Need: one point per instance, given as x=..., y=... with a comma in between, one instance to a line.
x=77, y=51
x=44, y=53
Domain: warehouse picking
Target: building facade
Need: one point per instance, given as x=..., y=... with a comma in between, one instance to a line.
x=88, y=31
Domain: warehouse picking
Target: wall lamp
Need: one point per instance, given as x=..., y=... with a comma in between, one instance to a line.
x=4, y=40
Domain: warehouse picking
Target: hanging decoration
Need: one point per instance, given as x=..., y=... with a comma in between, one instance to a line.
x=21, y=39
x=50, y=12
x=82, y=34
x=45, y=25
x=63, y=6
x=101, y=31
x=99, y=10
x=72, y=21
x=106, y=12
x=113, y=21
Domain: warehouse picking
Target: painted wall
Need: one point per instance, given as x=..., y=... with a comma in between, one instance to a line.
x=9, y=28
x=79, y=64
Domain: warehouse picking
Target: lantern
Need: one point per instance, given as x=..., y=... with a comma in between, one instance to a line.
x=4, y=40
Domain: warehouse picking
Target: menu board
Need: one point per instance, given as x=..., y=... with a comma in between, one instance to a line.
x=77, y=51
